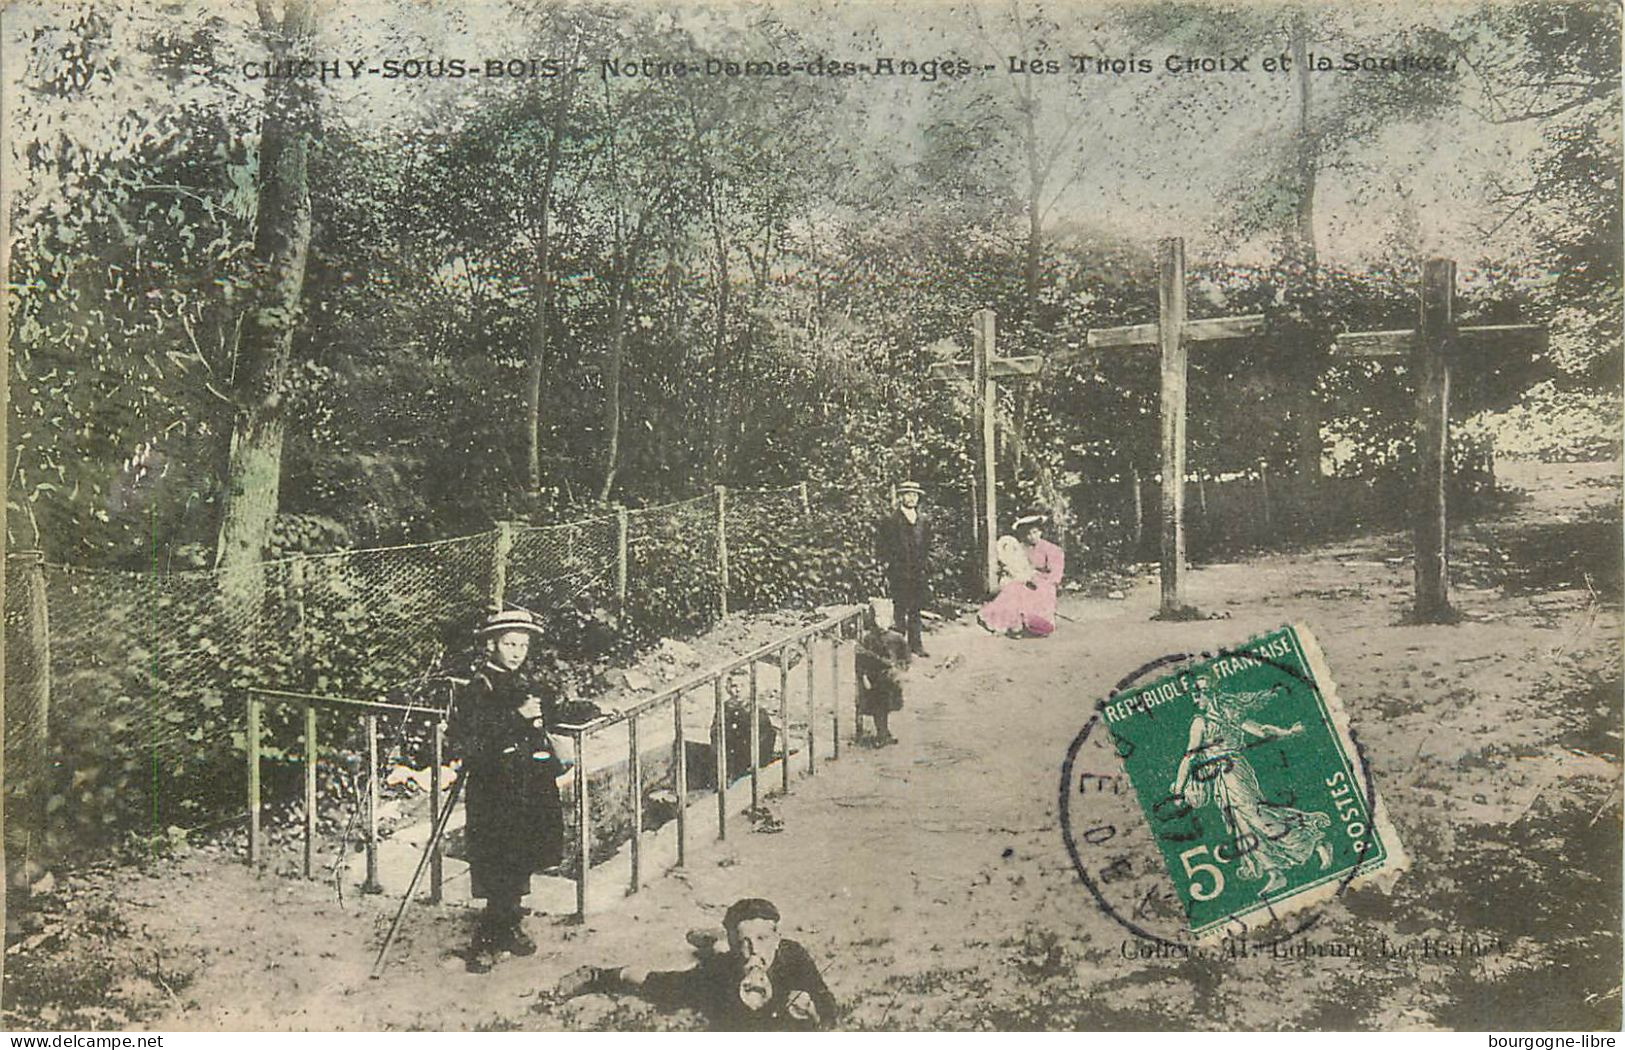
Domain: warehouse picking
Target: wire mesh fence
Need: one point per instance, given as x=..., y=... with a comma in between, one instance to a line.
x=555, y=566
x=124, y=690
x=674, y=577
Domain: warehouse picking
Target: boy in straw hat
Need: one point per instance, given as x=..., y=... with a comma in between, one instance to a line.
x=515, y=823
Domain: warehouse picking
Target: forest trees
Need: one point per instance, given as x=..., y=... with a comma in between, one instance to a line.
x=253, y=471
x=449, y=302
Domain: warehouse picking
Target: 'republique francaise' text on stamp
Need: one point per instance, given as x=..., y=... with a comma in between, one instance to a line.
x=1256, y=796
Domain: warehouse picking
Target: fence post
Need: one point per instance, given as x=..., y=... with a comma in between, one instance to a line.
x=634, y=765
x=1264, y=482
x=622, y=527
x=812, y=710
x=1139, y=509
x=755, y=745
x=583, y=825
x=784, y=714
x=722, y=550
x=37, y=788
x=437, y=755
x=372, y=885
x=719, y=750
x=310, y=789
x=806, y=500
x=857, y=675
x=296, y=599
x=680, y=777
x=499, y=563
x=251, y=742
x=1201, y=492
x=835, y=687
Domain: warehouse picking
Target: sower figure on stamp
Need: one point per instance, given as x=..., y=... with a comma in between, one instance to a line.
x=882, y=656
x=904, y=543
x=763, y=982
x=515, y=824
x=1268, y=838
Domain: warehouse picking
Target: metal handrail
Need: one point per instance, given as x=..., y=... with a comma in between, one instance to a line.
x=834, y=625
x=673, y=695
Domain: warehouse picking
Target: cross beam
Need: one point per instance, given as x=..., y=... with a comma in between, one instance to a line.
x=1430, y=346
x=985, y=369
x=1171, y=336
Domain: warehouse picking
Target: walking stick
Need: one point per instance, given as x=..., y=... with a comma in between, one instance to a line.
x=423, y=862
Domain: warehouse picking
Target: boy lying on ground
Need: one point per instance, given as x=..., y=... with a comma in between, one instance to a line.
x=764, y=982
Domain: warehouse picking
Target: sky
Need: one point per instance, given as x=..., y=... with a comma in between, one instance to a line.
x=1145, y=154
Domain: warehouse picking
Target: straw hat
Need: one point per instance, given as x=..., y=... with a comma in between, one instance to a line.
x=508, y=620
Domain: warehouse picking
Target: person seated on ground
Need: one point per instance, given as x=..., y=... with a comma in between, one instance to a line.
x=882, y=656
x=763, y=982
x=1025, y=604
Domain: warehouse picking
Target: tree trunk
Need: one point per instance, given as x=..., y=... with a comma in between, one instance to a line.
x=542, y=296
x=1037, y=176
x=281, y=245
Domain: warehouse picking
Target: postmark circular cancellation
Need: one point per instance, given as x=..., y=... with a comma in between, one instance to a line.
x=1222, y=795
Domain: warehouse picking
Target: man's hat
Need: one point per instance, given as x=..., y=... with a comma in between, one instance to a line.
x=910, y=486
x=749, y=908
x=508, y=620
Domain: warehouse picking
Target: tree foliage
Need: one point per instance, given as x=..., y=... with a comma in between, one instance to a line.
x=533, y=294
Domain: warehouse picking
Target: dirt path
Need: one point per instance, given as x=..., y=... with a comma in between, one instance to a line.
x=930, y=880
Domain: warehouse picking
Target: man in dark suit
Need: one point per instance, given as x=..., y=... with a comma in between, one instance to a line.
x=904, y=544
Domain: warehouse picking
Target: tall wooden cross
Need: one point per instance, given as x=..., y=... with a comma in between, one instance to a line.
x=1431, y=346
x=1172, y=335
x=985, y=369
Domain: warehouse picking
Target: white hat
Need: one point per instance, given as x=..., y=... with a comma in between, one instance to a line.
x=508, y=620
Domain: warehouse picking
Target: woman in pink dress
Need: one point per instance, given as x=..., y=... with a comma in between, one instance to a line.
x=1025, y=604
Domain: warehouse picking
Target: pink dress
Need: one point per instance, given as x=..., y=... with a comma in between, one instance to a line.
x=1020, y=607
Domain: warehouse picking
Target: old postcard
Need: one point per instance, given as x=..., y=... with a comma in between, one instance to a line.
x=904, y=516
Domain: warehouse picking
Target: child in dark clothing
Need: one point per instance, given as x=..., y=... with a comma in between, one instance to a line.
x=515, y=821
x=882, y=657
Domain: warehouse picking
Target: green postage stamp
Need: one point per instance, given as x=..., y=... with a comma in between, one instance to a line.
x=1243, y=765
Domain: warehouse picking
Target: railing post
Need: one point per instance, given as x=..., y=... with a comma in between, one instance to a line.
x=634, y=765
x=680, y=778
x=835, y=687
x=784, y=713
x=583, y=825
x=251, y=743
x=755, y=744
x=812, y=709
x=372, y=885
x=499, y=563
x=310, y=789
x=722, y=550
x=437, y=742
x=720, y=751
x=623, y=523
